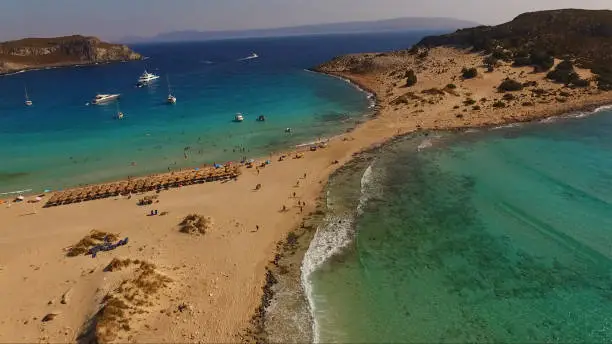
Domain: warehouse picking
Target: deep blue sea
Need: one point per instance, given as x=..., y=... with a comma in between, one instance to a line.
x=489, y=236
x=61, y=142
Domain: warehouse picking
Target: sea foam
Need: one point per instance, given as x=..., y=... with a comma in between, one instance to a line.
x=331, y=238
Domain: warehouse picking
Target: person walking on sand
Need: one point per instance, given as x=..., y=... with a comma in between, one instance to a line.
x=256, y=228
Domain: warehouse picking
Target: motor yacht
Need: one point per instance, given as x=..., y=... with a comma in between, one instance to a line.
x=104, y=98
x=146, y=78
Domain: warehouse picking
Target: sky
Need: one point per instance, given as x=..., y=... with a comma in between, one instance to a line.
x=114, y=19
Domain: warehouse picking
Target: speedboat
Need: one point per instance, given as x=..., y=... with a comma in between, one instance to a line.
x=28, y=102
x=146, y=78
x=238, y=118
x=104, y=98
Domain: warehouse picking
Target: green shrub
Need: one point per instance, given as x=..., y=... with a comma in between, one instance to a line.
x=469, y=73
x=451, y=86
x=500, y=54
x=508, y=96
x=469, y=101
x=476, y=107
x=541, y=60
x=604, y=77
x=510, y=85
x=491, y=61
x=499, y=104
x=565, y=73
x=581, y=83
x=411, y=78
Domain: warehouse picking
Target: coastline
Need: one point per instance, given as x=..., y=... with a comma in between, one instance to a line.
x=234, y=280
x=62, y=65
x=257, y=331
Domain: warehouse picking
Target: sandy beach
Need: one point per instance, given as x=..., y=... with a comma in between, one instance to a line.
x=206, y=288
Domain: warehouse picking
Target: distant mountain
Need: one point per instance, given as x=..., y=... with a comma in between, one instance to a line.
x=399, y=24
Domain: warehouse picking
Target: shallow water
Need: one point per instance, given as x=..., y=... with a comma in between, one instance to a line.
x=61, y=142
x=489, y=236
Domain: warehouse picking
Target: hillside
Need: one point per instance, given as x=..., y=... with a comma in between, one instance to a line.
x=584, y=36
x=32, y=53
x=397, y=24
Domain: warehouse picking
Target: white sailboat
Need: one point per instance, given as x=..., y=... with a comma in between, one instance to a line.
x=28, y=102
x=171, y=99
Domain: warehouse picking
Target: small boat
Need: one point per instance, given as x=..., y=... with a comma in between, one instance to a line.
x=119, y=113
x=171, y=99
x=28, y=102
x=104, y=98
x=261, y=118
x=146, y=78
x=288, y=130
x=239, y=117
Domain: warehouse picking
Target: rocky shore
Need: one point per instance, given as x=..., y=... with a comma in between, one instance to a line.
x=34, y=53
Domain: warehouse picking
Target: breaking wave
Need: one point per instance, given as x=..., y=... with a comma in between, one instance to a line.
x=331, y=238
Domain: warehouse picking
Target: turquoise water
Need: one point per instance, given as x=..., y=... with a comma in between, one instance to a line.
x=61, y=142
x=491, y=236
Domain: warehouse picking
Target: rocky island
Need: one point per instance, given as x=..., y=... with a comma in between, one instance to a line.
x=32, y=53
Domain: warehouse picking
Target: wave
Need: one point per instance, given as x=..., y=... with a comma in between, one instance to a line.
x=206, y=62
x=331, y=238
x=250, y=57
x=424, y=144
x=549, y=120
x=18, y=192
x=506, y=126
x=603, y=108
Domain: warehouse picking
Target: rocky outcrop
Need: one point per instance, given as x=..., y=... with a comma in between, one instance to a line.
x=584, y=35
x=60, y=51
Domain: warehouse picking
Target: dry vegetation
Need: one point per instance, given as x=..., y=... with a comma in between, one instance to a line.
x=94, y=238
x=195, y=224
x=132, y=297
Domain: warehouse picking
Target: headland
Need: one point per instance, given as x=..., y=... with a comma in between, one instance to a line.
x=36, y=53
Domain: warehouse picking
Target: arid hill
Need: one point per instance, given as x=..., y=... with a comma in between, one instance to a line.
x=31, y=53
x=581, y=35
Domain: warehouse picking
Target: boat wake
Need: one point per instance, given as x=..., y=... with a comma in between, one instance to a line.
x=331, y=238
x=250, y=57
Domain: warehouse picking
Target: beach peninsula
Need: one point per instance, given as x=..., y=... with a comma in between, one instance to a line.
x=188, y=263
x=35, y=53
